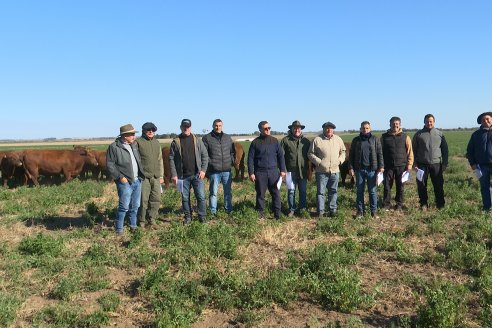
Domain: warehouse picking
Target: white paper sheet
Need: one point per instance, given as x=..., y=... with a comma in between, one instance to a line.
x=478, y=172
x=289, y=182
x=405, y=177
x=420, y=175
x=380, y=178
x=179, y=185
x=279, y=183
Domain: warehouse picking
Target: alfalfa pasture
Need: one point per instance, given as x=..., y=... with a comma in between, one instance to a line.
x=61, y=264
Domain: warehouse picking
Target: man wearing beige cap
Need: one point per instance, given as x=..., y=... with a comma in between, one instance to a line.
x=327, y=152
x=124, y=167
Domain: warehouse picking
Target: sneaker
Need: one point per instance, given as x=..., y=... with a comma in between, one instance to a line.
x=387, y=208
x=141, y=224
x=133, y=229
x=187, y=221
x=261, y=216
x=291, y=214
x=398, y=208
x=423, y=208
x=374, y=215
x=332, y=214
x=359, y=215
x=321, y=215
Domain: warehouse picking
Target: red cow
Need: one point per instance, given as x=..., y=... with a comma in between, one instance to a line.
x=101, y=169
x=239, y=161
x=344, y=167
x=11, y=165
x=56, y=161
x=167, y=168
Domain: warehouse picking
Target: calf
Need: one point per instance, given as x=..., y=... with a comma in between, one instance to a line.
x=239, y=161
x=167, y=167
x=11, y=165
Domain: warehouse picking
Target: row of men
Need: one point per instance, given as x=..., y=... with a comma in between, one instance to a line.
x=137, y=169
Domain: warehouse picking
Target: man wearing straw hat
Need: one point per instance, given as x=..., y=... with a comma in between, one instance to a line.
x=124, y=167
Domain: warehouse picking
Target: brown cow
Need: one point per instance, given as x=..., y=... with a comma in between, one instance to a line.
x=97, y=170
x=167, y=168
x=11, y=165
x=239, y=161
x=344, y=167
x=56, y=161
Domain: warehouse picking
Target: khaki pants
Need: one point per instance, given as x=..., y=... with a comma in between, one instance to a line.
x=150, y=202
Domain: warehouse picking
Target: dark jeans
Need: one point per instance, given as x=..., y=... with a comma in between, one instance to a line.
x=267, y=180
x=391, y=175
x=361, y=176
x=436, y=174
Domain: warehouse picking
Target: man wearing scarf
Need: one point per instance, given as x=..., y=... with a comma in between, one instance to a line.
x=479, y=154
x=366, y=161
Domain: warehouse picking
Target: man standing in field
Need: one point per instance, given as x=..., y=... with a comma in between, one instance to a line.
x=327, y=152
x=153, y=169
x=398, y=158
x=296, y=147
x=188, y=160
x=124, y=167
x=221, y=154
x=431, y=156
x=479, y=154
x=366, y=160
x=266, y=164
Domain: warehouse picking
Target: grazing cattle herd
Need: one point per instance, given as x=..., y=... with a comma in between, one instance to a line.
x=21, y=167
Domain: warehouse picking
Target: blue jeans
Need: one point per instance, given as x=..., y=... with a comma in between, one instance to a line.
x=360, y=181
x=215, y=179
x=291, y=194
x=129, y=201
x=485, y=186
x=326, y=181
x=199, y=190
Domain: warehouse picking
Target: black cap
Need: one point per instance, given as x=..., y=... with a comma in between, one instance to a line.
x=186, y=122
x=328, y=125
x=296, y=123
x=149, y=126
x=479, y=118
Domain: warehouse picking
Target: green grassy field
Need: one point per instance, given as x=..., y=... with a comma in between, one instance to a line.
x=61, y=264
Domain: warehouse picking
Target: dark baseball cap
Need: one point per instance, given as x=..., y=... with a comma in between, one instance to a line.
x=186, y=122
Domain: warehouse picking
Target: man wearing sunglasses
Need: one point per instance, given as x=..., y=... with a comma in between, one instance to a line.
x=266, y=164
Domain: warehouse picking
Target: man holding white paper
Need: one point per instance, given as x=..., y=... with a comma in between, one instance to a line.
x=296, y=148
x=479, y=154
x=431, y=156
x=366, y=161
x=188, y=159
x=266, y=164
x=398, y=160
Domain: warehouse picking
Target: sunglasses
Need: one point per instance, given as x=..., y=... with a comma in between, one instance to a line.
x=267, y=128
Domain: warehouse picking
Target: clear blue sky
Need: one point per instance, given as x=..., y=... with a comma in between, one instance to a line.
x=83, y=68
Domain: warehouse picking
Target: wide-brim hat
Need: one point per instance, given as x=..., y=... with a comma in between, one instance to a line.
x=296, y=123
x=479, y=118
x=328, y=125
x=127, y=128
